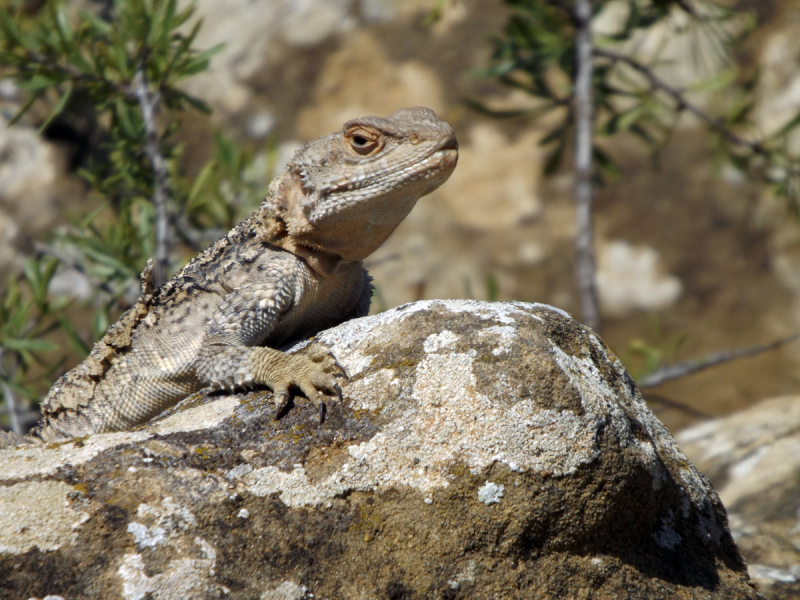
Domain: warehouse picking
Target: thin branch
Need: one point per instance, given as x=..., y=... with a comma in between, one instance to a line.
x=149, y=106
x=675, y=405
x=76, y=75
x=9, y=394
x=716, y=124
x=668, y=373
x=11, y=407
x=585, y=264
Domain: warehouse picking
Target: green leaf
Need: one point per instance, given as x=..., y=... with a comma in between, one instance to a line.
x=492, y=288
x=787, y=128
x=100, y=323
x=34, y=277
x=187, y=41
x=557, y=134
x=624, y=120
x=40, y=81
x=556, y=157
x=29, y=345
x=62, y=19
x=719, y=81
x=605, y=163
x=100, y=27
x=124, y=115
x=200, y=182
x=57, y=109
x=195, y=103
x=25, y=107
x=740, y=111
x=89, y=219
x=8, y=26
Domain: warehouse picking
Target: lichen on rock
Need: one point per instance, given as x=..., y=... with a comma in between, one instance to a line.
x=481, y=451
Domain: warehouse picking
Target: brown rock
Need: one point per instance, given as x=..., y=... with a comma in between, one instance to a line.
x=482, y=451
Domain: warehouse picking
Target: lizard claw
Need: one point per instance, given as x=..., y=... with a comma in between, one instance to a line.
x=315, y=372
x=281, y=402
x=342, y=372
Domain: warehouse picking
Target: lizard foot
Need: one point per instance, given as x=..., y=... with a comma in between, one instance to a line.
x=313, y=371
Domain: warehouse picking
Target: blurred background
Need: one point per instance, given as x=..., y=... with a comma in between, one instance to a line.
x=698, y=243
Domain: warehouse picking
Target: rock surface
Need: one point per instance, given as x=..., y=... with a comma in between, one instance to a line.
x=482, y=451
x=753, y=458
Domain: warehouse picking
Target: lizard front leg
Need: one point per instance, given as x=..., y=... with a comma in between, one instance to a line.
x=231, y=358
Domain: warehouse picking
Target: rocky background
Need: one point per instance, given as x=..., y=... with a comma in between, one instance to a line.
x=682, y=249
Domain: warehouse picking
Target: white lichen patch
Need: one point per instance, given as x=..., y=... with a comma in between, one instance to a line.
x=288, y=590
x=506, y=337
x=490, y=493
x=197, y=418
x=169, y=524
x=442, y=420
x=188, y=577
x=160, y=523
x=385, y=386
x=294, y=487
x=599, y=401
x=602, y=405
x=25, y=461
x=38, y=514
x=239, y=471
x=653, y=464
x=146, y=537
x=349, y=334
x=585, y=377
x=436, y=342
x=700, y=497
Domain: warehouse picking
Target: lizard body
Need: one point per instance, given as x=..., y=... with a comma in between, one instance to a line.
x=290, y=270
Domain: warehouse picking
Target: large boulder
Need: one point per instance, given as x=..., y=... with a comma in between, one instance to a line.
x=481, y=451
x=753, y=457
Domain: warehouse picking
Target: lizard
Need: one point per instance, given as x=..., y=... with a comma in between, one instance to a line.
x=293, y=268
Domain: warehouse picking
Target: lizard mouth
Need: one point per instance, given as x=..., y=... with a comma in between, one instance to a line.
x=440, y=161
x=448, y=157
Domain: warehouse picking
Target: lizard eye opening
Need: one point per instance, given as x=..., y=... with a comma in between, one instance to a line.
x=364, y=142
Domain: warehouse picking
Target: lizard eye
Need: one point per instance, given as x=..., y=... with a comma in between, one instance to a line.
x=364, y=142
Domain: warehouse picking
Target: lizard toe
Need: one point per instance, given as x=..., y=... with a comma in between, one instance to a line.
x=281, y=399
x=320, y=355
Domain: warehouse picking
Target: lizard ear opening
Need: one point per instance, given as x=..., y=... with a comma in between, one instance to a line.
x=364, y=141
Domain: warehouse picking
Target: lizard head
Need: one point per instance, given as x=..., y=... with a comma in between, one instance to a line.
x=345, y=193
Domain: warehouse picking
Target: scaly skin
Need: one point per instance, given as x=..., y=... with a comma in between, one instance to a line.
x=290, y=270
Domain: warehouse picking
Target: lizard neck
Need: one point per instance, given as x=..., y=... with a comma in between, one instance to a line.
x=272, y=230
